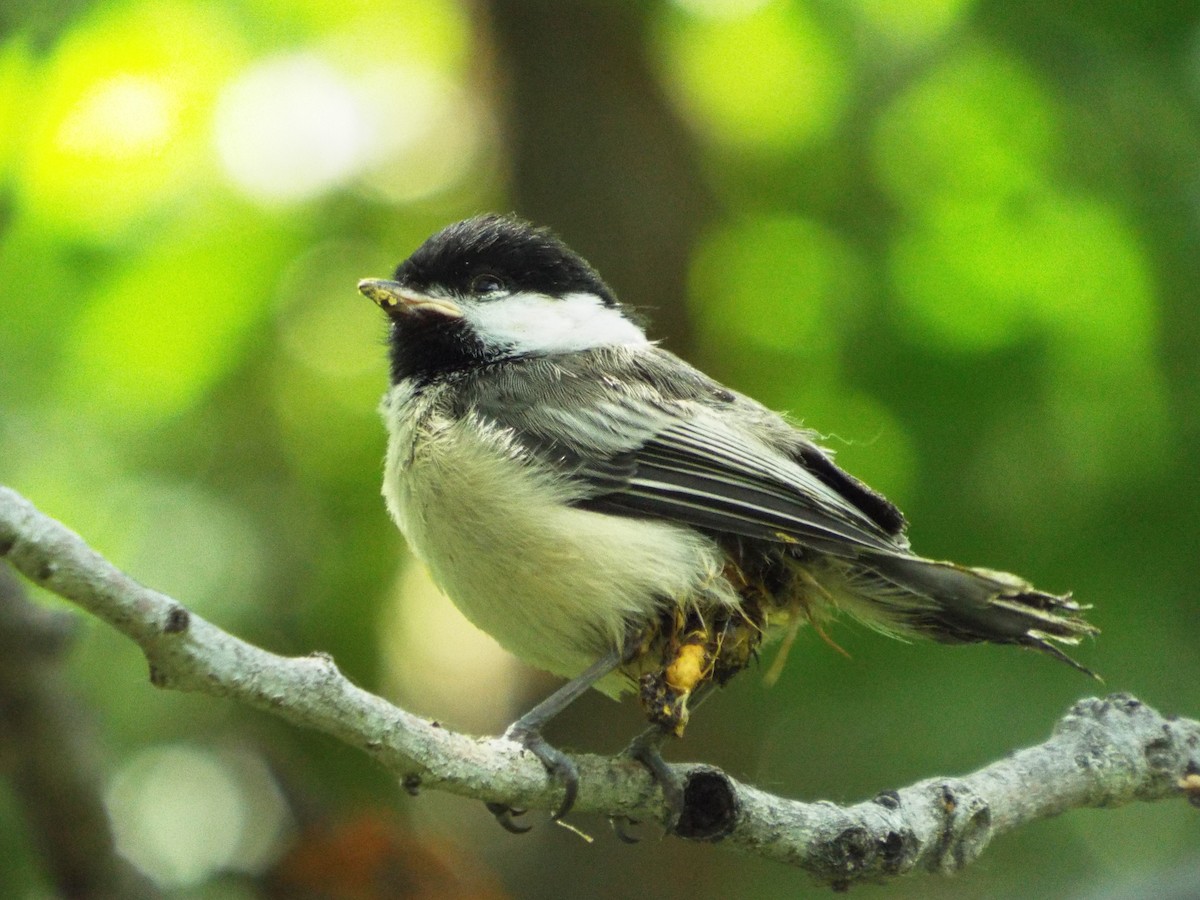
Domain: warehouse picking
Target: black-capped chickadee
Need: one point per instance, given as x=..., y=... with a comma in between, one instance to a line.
x=614, y=516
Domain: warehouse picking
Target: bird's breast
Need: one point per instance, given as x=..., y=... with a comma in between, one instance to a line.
x=556, y=585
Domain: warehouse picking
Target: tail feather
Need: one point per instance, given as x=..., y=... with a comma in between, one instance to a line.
x=957, y=604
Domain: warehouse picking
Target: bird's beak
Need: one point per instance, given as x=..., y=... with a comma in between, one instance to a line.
x=393, y=297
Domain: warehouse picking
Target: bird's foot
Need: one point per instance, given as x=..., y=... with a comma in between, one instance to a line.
x=527, y=731
x=645, y=748
x=558, y=765
x=505, y=815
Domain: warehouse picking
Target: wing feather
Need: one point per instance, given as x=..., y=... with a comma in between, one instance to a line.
x=714, y=485
x=647, y=442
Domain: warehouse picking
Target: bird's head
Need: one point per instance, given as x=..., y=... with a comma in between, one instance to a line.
x=493, y=288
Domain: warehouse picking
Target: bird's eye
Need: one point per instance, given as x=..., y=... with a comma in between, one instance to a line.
x=486, y=284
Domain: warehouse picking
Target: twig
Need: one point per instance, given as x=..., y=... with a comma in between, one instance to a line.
x=1102, y=753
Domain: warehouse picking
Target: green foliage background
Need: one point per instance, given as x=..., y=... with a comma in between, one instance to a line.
x=961, y=238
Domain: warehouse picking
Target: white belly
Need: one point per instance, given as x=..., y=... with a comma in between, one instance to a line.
x=557, y=586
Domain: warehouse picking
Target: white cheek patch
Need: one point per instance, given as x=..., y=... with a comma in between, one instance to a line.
x=536, y=323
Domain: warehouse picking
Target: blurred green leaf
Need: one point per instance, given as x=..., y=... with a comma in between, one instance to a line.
x=762, y=82
x=178, y=318
x=16, y=67
x=122, y=116
x=977, y=128
x=914, y=22
x=779, y=282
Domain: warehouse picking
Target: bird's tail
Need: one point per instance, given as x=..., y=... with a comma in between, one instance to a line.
x=957, y=604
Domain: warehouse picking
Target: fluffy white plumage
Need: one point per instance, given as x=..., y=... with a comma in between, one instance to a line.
x=540, y=324
x=559, y=587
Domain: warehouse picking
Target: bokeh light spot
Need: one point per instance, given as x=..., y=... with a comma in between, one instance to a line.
x=978, y=276
x=767, y=82
x=120, y=120
x=780, y=282
x=437, y=661
x=290, y=128
x=427, y=133
x=721, y=9
x=123, y=117
x=293, y=128
x=177, y=814
x=912, y=22
x=977, y=128
x=188, y=543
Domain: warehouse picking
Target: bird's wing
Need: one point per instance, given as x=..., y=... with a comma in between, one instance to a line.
x=639, y=440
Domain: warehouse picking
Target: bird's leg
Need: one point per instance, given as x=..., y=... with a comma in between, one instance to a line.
x=646, y=748
x=527, y=731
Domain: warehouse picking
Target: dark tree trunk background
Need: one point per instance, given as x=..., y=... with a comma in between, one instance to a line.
x=597, y=152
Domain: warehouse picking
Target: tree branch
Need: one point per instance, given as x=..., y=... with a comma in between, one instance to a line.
x=1103, y=753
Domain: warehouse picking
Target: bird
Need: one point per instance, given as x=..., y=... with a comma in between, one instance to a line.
x=612, y=515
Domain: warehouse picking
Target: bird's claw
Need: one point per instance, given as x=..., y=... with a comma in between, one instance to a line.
x=558, y=765
x=505, y=815
x=570, y=780
x=621, y=825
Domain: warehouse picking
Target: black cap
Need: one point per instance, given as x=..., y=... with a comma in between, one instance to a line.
x=522, y=256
